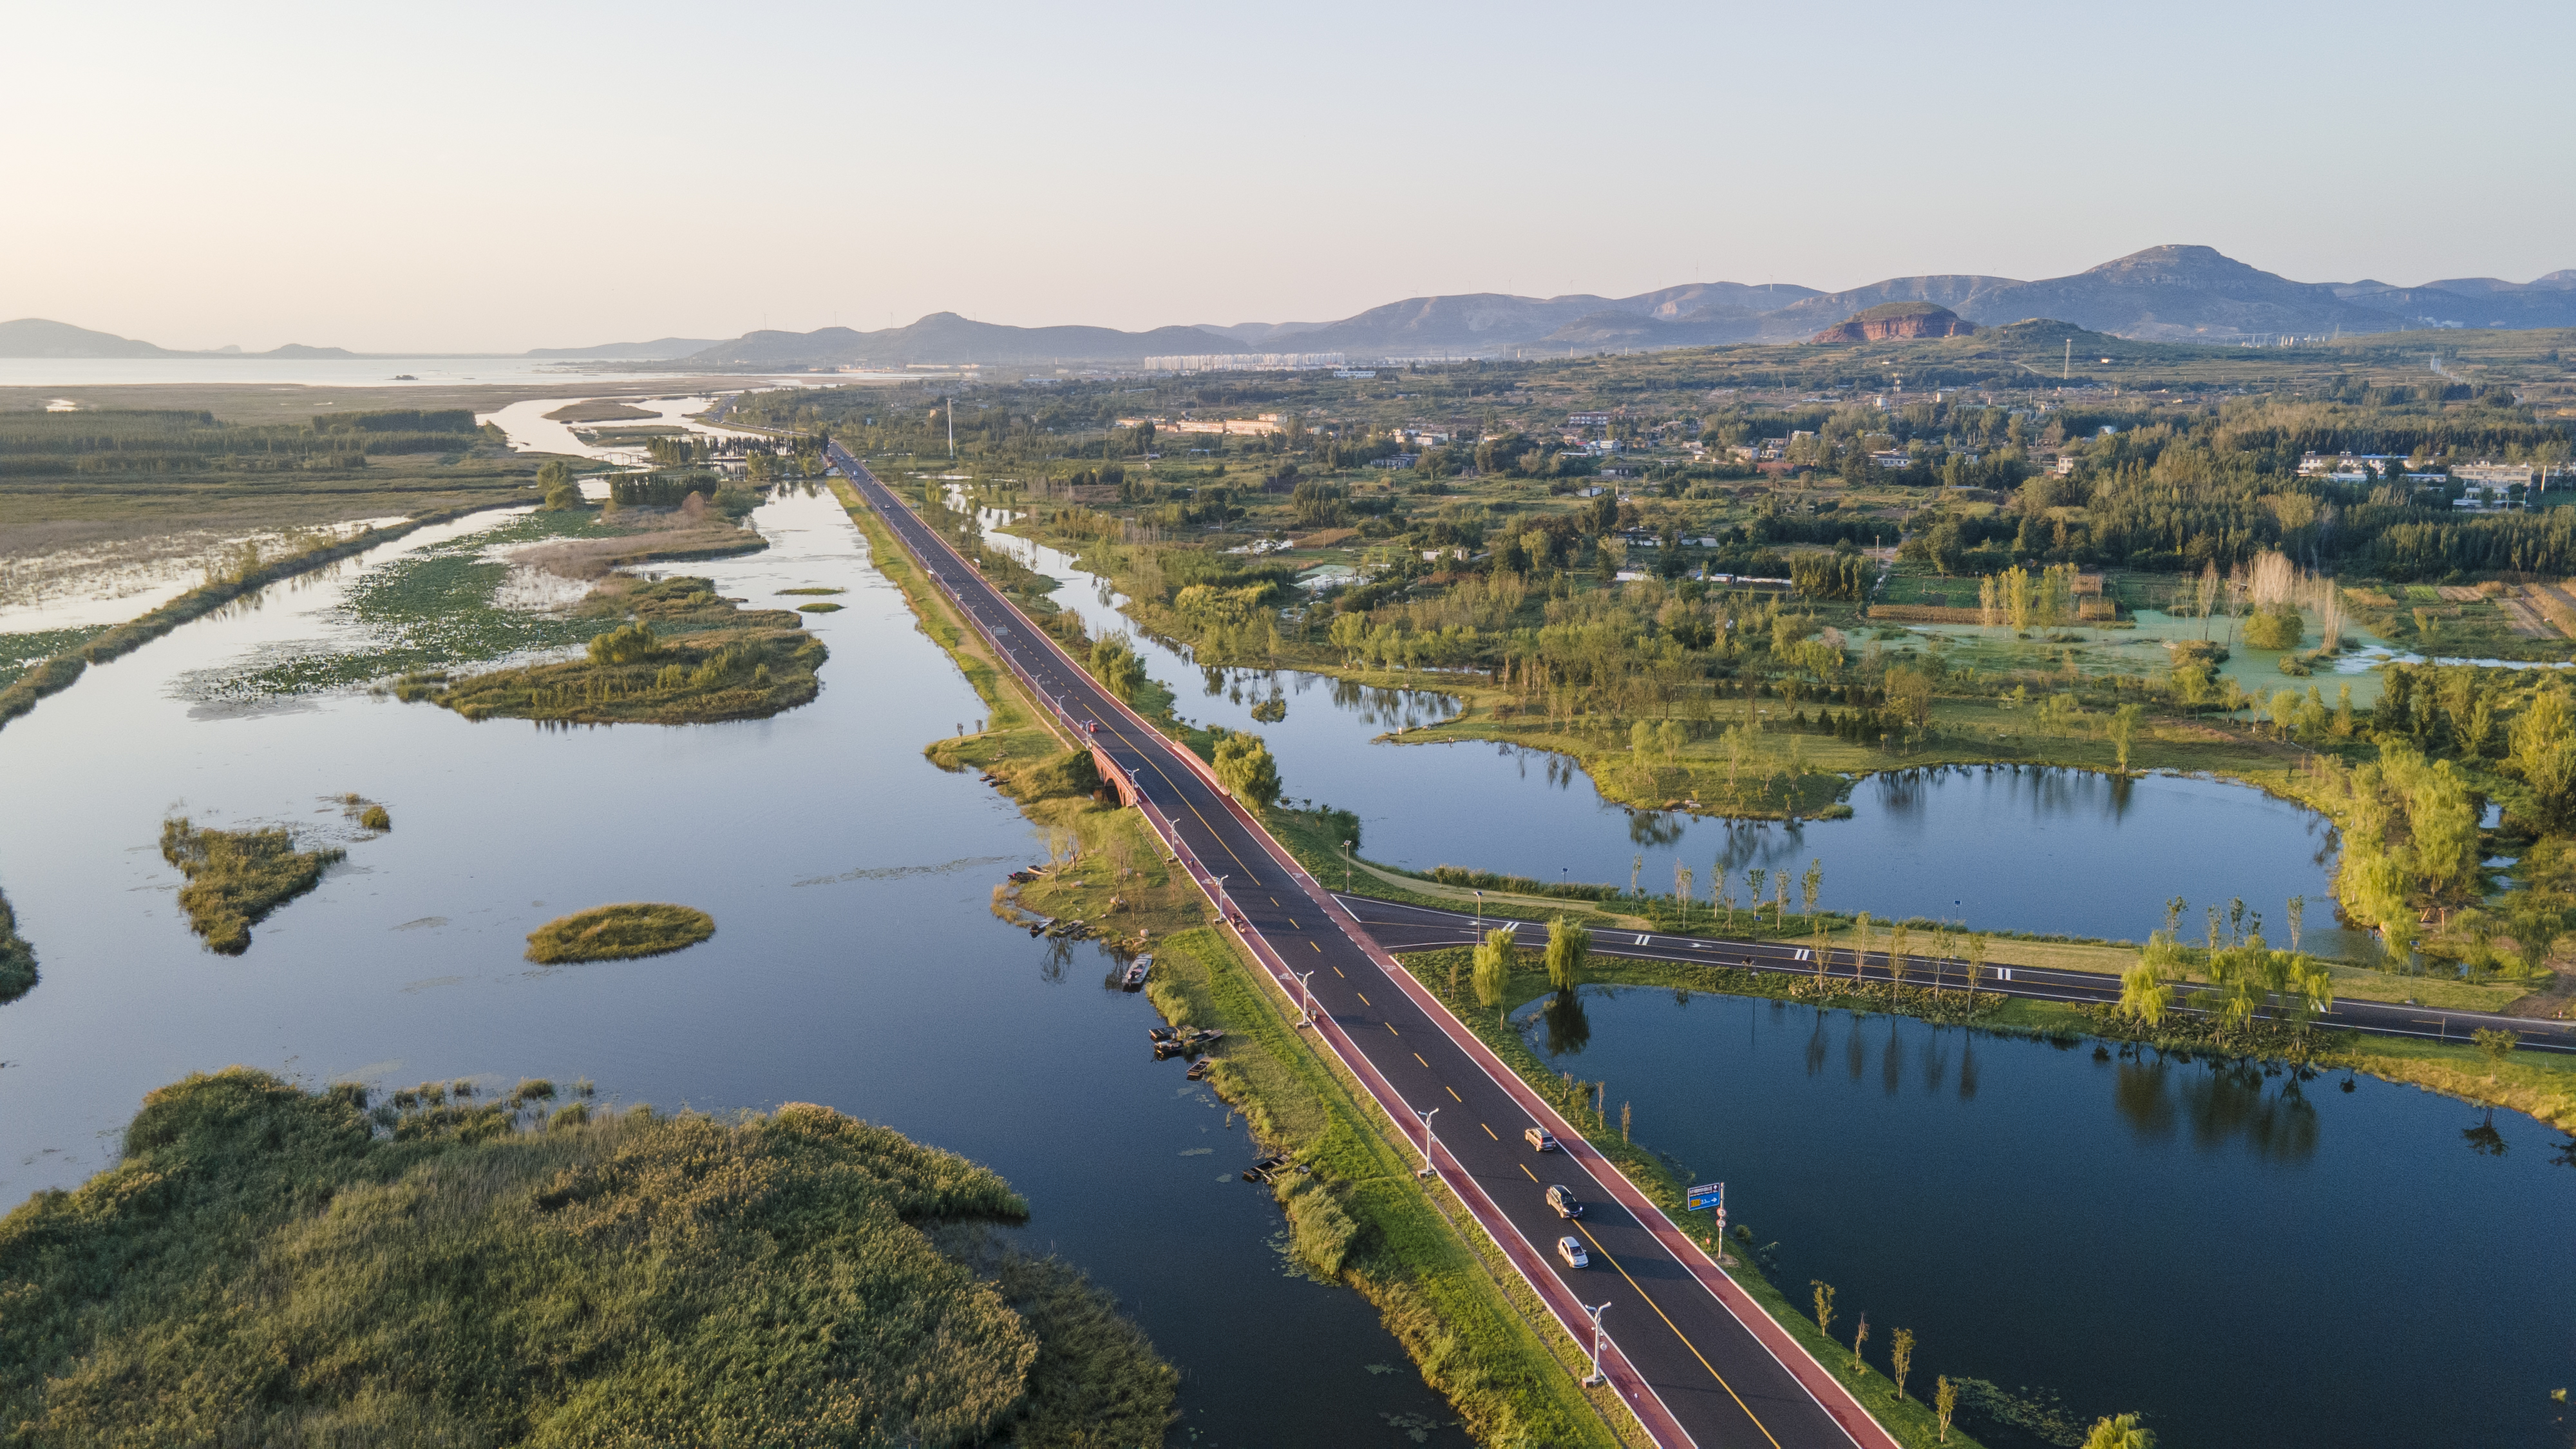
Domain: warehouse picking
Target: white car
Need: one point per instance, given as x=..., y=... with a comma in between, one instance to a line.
x=1572, y=1252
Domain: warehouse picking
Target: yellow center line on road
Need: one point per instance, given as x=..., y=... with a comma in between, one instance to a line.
x=1336, y=970
x=1363, y=996
x=1677, y=1332
x=1391, y=1031
x=1490, y=1132
x=1292, y=921
x=1453, y=1093
x=1417, y=1056
x=1534, y=1177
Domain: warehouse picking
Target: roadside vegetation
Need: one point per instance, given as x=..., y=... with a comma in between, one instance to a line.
x=683, y=655
x=451, y=1265
x=620, y=932
x=17, y=957
x=237, y=877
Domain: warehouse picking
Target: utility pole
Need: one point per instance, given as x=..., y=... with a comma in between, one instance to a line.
x=1346, y=867
x=2065, y=370
x=951, y=410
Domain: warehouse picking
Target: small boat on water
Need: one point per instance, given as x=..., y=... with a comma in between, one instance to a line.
x=1137, y=970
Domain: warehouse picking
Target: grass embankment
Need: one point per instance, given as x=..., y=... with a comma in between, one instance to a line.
x=684, y=655
x=274, y=1266
x=59, y=673
x=17, y=957
x=616, y=933
x=236, y=877
x=1363, y=1219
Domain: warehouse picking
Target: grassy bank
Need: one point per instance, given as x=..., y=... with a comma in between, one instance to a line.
x=1475, y=1332
x=617, y=933
x=237, y=877
x=268, y=1265
x=682, y=655
x=17, y=957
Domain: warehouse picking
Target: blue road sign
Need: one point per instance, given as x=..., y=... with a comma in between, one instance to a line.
x=1705, y=1196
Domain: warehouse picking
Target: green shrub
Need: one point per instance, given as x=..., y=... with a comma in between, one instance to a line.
x=2277, y=628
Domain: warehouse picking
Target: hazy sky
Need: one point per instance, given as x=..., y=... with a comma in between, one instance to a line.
x=458, y=176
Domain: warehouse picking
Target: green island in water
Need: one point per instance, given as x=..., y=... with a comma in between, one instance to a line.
x=236, y=877
x=268, y=1265
x=620, y=932
x=679, y=654
x=17, y=957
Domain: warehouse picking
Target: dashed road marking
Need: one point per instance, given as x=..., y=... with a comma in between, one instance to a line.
x=1532, y=1176
x=1363, y=996
x=1490, y=1132
x=1452, y=1091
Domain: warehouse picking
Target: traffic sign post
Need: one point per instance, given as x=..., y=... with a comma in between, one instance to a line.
x=1706, y=1195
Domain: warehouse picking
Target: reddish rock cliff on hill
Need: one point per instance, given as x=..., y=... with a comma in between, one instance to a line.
x=1898, y=319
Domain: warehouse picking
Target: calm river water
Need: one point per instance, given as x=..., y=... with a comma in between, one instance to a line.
x=2251, y=1261
x=855, y=964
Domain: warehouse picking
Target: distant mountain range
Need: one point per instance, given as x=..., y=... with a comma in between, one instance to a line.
x=2162, y=294
x=37, y=337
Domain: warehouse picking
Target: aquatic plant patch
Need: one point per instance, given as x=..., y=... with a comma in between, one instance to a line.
x=458, y=1266
x=620, y=932
x=236, y=877
x=17, y=958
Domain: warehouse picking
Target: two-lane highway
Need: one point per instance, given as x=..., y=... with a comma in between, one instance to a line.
x=1690, y=1353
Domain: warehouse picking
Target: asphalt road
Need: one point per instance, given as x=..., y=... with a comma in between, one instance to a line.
x=1402, y=927
x=1694, y=1358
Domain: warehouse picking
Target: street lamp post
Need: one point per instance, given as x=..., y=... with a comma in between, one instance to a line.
x=1598, y=1338
x=1480, y=915
x=1427, y=1140
x=1306, y=990
x=1346, y=867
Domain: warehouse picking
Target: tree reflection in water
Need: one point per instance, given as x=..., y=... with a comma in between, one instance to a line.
x=2226, y=1103
x=1568, y=1030
x=1892, y=1061
x=2484, y=1139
